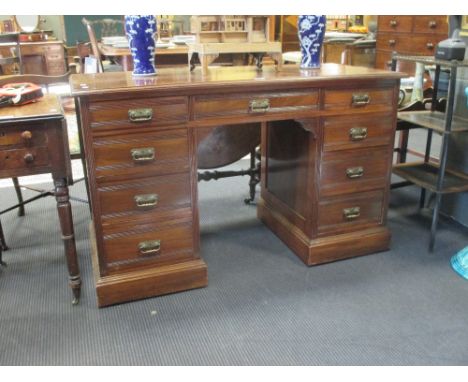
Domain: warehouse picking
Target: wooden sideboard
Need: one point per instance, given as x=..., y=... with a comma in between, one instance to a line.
x=44, y=57
x=412, y=35
x=327, y=141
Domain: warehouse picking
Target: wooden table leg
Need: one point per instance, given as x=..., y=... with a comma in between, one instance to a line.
x=68, y=236
x=278, y=57
x=206, y=60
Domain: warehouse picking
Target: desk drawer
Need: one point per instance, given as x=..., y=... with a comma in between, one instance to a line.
x=22, y=137
x=351, y=171
x=144, y=200
x=432, y=24
x=24, y=158
x=351, y=132
x=237, y=105
x=139, y=112
x=351, y=212
x=145, y=246
x=362, y=99
x=142, y=154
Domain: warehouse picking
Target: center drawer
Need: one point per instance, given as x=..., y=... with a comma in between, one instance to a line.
x=149, y=154
x=24, y=137
x=243, y=104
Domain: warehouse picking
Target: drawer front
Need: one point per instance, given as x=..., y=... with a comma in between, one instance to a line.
x=141, y=154
x=235, y=105
x=363, y=99
x=144, y=199
x=351, y=212
x=352, y=132
x=24, y=158
x=395, y=23
x=22, y=137
x=431, y=24
x=414, y=44
x=352, y=171
x=149, y=246
x=139, y=112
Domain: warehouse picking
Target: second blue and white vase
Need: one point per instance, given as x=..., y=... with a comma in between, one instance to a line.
x=140, y=30
x=311, y=31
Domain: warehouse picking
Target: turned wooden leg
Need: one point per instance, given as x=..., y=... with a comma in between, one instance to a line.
x=278, y=57
x=206, y=60
x=68, y=236
x=19, y=195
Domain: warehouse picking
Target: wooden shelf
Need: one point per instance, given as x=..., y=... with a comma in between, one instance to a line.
x=425, y=175
x=433, y=120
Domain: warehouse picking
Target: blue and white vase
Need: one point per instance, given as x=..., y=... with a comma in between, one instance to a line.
x=140, y=30
x=311, y=31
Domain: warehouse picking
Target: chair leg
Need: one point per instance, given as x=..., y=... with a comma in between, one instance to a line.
x=19, y=195
x=404, y=135
x=254, y=177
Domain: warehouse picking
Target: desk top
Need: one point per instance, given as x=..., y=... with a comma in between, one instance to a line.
x=245, y=78
x=45, y=108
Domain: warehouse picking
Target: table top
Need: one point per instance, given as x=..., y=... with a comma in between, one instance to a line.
x=109, y=50
x=241, y=77
x=46, y=107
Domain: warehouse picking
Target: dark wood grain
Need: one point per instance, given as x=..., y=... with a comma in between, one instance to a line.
x=306, y=150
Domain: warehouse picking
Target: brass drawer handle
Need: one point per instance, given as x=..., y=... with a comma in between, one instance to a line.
x=150, y=247
x=393, y=23
x=351, y=213
x=259, y=105
x=354, y=172
x=360, y=99
x=391, y=42
x=432, y=24
x=358, y=133
x=146, y=200
x=143, y=155
x=140, y=115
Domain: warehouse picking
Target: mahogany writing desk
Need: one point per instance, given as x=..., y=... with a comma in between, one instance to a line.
x=327, y=140
x=33, y=140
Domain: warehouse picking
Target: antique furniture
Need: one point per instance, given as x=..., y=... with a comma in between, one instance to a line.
x=11, y=53
x=410, y=35
x=326, y=145
x=33, y=140
x=215, y=35
x=436, y=178
x=42, y=57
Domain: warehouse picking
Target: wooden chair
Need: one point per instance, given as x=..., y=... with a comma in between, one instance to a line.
x=45, y=82
x=15, y=61
x=102, y=66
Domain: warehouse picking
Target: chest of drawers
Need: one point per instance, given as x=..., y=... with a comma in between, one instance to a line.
x=326, y=157
x=413, y=35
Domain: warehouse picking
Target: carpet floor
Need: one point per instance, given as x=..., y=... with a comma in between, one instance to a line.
x=262, y=306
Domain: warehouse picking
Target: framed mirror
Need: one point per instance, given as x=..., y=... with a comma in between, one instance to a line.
x=27, y=23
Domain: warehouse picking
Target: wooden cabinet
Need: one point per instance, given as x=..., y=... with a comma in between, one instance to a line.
x=413, y=35
x=326, y=148
x=45, y=57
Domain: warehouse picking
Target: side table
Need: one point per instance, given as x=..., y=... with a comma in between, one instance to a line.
x=33, y=140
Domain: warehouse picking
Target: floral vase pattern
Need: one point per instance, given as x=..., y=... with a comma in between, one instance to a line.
x=311, y=31
x=140, y=30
